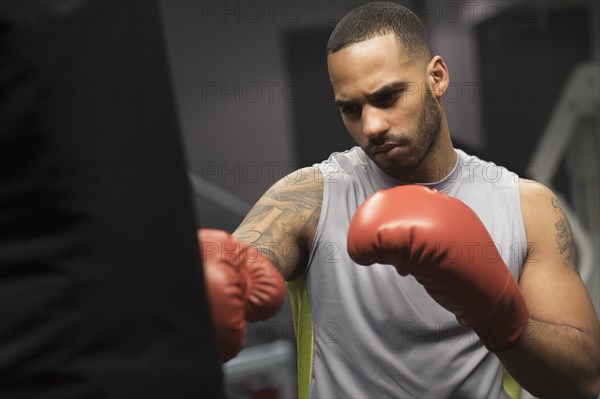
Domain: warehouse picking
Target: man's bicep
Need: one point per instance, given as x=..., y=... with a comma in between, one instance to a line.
x=281, y=220
x=550, y=283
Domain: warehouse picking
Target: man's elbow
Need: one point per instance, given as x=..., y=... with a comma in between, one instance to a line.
x=583, y=385
x=589, y=384
x=594, y=390
x=590, y=387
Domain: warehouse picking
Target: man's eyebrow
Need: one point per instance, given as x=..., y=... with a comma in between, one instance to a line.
x=341, y=103
x=382, y=90
x=389, y=87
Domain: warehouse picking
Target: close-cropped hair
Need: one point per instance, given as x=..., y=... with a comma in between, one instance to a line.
x=378, y=19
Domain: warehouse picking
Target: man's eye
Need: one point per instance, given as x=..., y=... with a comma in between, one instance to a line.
x=386, y=96
x=389, y=96
x=350, y=109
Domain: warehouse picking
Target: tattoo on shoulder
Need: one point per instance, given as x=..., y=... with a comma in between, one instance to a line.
x=564, y=235
x=274, y=223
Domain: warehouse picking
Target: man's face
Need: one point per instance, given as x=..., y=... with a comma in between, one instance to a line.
x=386, y=103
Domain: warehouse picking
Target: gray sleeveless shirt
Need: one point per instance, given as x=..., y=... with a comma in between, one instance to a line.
x=366, y=332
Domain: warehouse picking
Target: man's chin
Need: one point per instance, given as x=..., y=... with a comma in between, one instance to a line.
x=397, y=168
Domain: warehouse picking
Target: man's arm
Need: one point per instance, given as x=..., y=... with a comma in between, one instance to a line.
x=283, y=223
x=558, y=354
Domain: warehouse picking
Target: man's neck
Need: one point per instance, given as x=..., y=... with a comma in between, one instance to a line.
x=439, y=164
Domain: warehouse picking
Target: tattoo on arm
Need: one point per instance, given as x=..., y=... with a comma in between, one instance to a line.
x=272, y=257
x=274, y=225
x=564, y=235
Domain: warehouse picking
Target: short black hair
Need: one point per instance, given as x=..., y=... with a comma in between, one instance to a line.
x=378, y=19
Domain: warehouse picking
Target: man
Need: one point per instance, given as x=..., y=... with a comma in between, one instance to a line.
x=449, y=319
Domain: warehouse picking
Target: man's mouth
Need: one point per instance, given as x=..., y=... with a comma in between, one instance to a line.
x=389, y=150
x=385, y=148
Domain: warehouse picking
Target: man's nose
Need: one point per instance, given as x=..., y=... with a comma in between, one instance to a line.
x=374, y=122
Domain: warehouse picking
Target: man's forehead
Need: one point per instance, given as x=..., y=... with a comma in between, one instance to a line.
x=387, y=42
x=380, y=54
x=370, y=65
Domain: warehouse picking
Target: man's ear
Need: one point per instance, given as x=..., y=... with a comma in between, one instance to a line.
x=438, y=77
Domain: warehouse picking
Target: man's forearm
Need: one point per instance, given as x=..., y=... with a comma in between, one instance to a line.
x=552, y=360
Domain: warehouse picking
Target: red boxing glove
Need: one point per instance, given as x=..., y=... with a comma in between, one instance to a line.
x=242, y=285
x=264, y=286
x=225, y=290
x=415, y=228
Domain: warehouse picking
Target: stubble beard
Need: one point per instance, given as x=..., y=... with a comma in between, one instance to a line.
x=424, y=140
